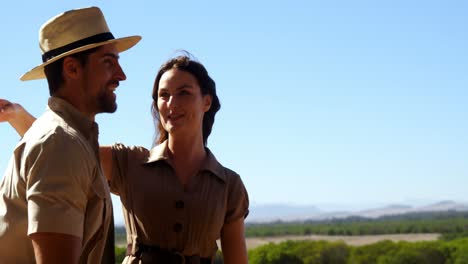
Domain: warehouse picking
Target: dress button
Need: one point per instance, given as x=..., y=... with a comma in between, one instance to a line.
x=177, y=227
x=179, y=204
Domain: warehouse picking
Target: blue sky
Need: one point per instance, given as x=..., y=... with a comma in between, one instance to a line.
x=350, y=103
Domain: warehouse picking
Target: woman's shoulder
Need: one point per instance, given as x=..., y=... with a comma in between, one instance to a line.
x=225, y=173
x=230, y=176
x=230, y=173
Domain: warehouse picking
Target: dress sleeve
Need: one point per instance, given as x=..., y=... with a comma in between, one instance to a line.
x=119, y=167
x=58, y=172
x=238, y=199
x=124, y=161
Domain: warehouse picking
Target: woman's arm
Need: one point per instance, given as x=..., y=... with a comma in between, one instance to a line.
x=233, y=243
x=16, y=115
x=105, y=154
x=21, y=121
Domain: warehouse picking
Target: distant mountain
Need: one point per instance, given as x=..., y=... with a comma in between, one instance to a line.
x=269, y=213
x=273, y=212
x=403, y=209
x=387, y=210
x=445, y=206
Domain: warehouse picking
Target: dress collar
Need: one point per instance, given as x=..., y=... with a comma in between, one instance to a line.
x=160, y=153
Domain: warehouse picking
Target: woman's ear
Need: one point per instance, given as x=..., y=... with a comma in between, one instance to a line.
x=207, y=102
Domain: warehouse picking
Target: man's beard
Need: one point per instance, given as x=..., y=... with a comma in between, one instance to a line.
x=106, y=102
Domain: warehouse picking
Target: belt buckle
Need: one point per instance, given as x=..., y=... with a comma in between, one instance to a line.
x=180, y=256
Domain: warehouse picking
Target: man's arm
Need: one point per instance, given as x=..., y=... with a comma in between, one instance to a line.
x=16, y=115
x=57, y=196
x=56, y=248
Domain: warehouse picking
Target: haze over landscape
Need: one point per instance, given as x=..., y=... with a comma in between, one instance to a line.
x=327, y=106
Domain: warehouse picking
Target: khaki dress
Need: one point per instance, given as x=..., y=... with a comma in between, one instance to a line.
x=160, y=211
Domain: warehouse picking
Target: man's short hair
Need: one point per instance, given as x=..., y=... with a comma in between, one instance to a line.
x=53, y=71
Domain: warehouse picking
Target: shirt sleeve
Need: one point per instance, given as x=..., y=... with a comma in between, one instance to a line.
x=58, y=181
x=237, y=201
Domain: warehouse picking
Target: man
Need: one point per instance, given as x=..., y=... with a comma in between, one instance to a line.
x=55, y=205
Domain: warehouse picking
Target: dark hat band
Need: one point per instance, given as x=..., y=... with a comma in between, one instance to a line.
x=80, y=43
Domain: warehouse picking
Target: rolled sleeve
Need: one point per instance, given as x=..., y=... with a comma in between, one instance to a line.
x=57, y=185
x=237, y=201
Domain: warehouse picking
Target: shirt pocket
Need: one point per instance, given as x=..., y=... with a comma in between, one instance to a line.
x=101, y=198
x=99, y=187
x=97, y=211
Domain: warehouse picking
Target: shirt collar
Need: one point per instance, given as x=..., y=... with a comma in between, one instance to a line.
x=74, y=117
x=160, y=152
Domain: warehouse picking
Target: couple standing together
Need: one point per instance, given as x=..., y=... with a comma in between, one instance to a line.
x=55, y=204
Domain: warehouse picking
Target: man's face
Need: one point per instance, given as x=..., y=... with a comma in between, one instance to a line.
x=102, y=75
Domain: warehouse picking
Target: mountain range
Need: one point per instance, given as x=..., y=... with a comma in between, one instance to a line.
x=281, y=212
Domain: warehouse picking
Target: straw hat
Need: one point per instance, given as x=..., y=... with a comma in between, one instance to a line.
x=72, y=32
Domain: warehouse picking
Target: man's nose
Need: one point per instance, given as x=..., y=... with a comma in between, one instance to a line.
x=120, y=74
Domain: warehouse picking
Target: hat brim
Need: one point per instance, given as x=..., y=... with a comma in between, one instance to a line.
x=122, y=44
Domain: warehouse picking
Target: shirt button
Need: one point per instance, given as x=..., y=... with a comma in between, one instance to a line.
x=179, y=204
x=177, y=227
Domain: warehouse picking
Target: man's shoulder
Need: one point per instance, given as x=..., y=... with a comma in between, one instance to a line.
x=49, y=124
x=50, y=128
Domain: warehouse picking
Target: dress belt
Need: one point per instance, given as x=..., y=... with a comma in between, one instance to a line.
x=155, y=254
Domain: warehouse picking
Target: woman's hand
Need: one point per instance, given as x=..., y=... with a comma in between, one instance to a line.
x=16, y=115
x=9, y=110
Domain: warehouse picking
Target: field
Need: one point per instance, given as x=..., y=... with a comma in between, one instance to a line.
x=254, y=242
x=420, y=238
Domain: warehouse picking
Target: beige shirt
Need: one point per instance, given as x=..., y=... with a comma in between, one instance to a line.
x=53, y=183
x=160, y=211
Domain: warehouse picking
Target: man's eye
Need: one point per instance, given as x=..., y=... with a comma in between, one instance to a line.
x=109, y=62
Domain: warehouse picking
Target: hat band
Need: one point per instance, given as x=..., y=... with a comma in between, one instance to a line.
x=80, y=43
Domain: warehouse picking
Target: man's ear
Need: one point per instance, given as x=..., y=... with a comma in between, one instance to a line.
x=207, y=102
x=71, y=68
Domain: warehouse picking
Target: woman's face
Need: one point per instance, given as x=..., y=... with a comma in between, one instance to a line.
x=181, y=104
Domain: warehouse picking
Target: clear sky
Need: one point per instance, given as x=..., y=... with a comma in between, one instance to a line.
x=324, y=103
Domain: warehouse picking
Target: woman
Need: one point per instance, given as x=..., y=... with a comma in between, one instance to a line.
x=177, y=199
